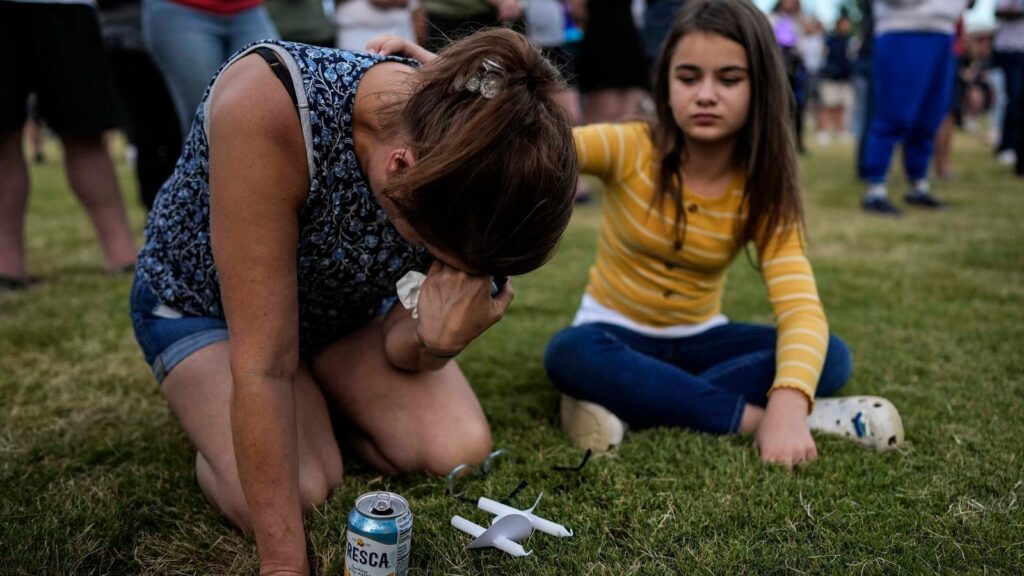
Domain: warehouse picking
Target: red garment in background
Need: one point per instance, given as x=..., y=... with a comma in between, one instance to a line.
x=223, y=7
x=959, y=39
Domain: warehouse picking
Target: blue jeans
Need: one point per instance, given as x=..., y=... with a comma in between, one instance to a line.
x=189, y=46
x=911, y=87
x=165, y=337
x=700, y=382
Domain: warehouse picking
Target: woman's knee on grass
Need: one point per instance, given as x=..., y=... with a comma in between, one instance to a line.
x=440, y=446
x=470, y=444
x=318, y=476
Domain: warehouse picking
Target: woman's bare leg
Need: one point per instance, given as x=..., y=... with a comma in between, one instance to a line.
x=401, y=421
x=198, y=391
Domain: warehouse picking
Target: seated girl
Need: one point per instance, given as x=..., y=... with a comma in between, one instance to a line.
x=715, y=171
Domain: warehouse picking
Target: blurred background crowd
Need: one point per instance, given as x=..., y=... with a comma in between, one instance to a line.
x=89, y=67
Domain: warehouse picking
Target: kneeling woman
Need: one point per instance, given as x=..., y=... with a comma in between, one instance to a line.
x=312, y=180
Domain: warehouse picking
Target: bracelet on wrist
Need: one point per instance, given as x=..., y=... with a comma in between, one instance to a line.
x=439, y=354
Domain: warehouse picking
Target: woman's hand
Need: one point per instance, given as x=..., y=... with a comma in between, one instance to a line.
x=783, y=436
x=391, y=45
x=454, y=308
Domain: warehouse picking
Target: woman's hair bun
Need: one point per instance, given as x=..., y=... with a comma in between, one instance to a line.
x=494, y=153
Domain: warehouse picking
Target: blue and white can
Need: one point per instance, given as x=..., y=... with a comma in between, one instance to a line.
x=379, y=536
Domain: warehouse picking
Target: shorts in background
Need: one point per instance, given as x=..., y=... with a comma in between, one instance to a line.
x=55, y=51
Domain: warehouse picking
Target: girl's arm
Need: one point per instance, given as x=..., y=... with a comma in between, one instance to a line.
x=610, y=151
x=258, y=182
x=454, y=308
x=800, y=351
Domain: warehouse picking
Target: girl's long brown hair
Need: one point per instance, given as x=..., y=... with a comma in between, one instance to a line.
x=765, y=145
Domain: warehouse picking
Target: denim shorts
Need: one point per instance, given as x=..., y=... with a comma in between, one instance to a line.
x=167, y=336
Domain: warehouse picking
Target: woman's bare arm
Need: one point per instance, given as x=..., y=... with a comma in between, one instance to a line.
x=258, y=182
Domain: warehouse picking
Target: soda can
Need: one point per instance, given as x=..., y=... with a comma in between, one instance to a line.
x=379, y=536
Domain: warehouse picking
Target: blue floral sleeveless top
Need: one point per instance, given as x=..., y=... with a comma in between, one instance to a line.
x=349, y=255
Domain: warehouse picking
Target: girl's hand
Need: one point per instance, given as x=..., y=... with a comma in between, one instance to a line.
x=391, y=45
x=454, y=308
x=783, y=436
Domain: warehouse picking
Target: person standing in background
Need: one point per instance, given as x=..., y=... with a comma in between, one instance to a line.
x=658, y=18
x=612, y=67
x=190, y=39
x=912, y=84
x=942, y=157
x=789, y=26
x=546, y=26
x=305, y=21
x=449, y=20
x=836, y=87
x=1009, y=57
x=55, y=51
x=812, y=50
x=861, y=116
x=148, y=113
x=549, y=25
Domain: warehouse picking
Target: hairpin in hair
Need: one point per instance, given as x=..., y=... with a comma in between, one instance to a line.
x=487, y=82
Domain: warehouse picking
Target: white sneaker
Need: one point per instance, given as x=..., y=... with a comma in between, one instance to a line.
x=869, y=420
x=1007, y=157
x=590, y=426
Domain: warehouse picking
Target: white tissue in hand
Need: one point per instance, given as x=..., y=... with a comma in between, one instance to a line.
x=408, y=289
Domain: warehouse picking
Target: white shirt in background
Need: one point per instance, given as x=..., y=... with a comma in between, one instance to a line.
x=359, y=21
x=545, y=23
x=1010, y=33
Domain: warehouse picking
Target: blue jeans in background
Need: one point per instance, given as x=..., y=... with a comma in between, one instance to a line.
x=700, y=382
x=189, y=46
x=911, y=87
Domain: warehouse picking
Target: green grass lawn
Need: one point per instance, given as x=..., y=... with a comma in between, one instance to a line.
x=97, y=478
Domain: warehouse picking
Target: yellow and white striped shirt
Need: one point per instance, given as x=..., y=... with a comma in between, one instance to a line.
x=640, y=275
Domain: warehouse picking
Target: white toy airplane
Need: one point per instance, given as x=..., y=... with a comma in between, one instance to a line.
x=504, y=534
x=510, y=527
